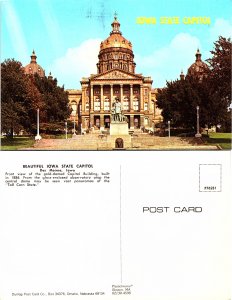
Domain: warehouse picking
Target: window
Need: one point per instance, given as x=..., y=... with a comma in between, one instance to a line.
x=126, y=104
x=74, y=108
x=136, y=104
x=97, y=104
x=106, y=104
x=87, y=106
x=145, y=106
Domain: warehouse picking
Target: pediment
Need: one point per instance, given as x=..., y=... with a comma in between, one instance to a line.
x=116, y=74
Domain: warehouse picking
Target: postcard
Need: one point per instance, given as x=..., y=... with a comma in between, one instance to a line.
x=115, y=150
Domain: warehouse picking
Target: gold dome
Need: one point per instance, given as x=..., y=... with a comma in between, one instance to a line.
x=116, y=52
x=116, y=39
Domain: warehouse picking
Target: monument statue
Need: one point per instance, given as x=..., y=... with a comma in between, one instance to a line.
x=116, y=112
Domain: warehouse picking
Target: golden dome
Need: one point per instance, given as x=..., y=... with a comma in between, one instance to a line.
x=116, y=52
x=116, y=39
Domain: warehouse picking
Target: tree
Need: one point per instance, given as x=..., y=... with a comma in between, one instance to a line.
x=179, y=100
x=19, y=98
x=55, y=99
x=212, y=93
x=220, y=69
x=220, y=80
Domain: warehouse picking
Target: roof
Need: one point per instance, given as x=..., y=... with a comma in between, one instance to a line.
x=198, y=67
x=33, y=67
x=116, y=38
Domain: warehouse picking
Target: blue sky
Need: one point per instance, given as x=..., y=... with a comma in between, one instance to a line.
x=66, y=34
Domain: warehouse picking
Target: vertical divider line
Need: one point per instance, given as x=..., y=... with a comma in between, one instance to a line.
x=120, y=191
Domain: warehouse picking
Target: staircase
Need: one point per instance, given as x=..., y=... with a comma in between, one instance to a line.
x=139, y=141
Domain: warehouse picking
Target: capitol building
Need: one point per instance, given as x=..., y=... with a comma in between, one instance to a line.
x=115, y=79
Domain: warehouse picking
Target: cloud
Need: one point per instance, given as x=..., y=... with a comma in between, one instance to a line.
x=77, y=63
x=15, y=32
x=221, y=27
x=167, y=62
x=163, y=64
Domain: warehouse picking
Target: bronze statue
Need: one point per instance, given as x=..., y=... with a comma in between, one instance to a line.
x=116, y=112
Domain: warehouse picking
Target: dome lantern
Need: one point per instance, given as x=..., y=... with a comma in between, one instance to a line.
x=115, y=25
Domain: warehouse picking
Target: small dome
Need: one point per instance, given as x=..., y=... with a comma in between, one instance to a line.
x=33, y=67
x=198, y=68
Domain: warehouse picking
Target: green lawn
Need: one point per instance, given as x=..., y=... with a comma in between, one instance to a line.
x=221, y=139
x=19, y=142
x=16, y=143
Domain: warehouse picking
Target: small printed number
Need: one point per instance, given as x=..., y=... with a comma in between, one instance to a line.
x=210, y=188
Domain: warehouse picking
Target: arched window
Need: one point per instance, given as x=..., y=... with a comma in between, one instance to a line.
x=87, y=106
x=145, y=106
x=74, y=108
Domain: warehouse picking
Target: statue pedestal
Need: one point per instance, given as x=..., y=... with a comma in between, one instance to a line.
x=119, y=137
x=119, y=128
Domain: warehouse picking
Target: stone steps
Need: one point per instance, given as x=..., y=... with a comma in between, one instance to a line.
x=96, y=142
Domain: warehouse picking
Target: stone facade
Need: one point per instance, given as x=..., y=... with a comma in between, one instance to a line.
x=115, y=79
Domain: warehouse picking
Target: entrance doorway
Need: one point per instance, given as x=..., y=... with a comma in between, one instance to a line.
x=119, y=143
x=97, y=121
x=137, y=122
x=107, y=121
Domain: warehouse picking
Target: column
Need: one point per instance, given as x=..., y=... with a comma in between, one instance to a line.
x=131, y=98
x=91, y=120
x=102, y=127
x=111, y=95
x=83, y=99
x=149, y=101
x=132, y=125
x=121, y=92
x=91, y=98
x=141, y=98
x=141, y=121
x=83, y=125
x=101, y=99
